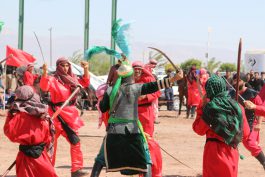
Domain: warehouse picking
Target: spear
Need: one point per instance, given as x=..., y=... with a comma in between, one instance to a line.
x=9, y=56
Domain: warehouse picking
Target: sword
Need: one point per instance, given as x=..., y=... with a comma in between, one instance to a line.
x=238, y=68
x=39, y=47
x=174, y=66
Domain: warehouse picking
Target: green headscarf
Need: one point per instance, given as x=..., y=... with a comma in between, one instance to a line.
x=222, y=113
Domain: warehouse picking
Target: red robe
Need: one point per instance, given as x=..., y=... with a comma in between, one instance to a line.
x=252, y=142
x=29, y=78
x=25, y=129
x=145, y=108
x=219, y=159
x=147, y=117
x=194, y=97
x=59, y=93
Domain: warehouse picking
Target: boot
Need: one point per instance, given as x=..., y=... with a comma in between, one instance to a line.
x=79, y=173
x=261, y=158
x=149, y=171
x=96, y=169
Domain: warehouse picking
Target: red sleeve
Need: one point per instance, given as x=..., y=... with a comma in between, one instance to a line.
x=257, y=100
x=150, y=98
x=36, y=76
x=44, y=83
x=260, y=110
x=84, y=81
x=246, y=129
x=9, y=130
x=199, y=126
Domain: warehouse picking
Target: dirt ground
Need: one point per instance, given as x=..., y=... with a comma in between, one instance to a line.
x=173, y=134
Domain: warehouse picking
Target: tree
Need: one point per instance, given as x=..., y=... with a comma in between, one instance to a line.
x=228, y=66
x=99, y=64
x=212, y=65
x=169, y=66
x=190, y=62
x=77, y=57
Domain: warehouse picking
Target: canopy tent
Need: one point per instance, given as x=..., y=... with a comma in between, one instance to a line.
x=79, y=71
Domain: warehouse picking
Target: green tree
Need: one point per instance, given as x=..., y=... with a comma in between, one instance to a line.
x=228, y=66
x=99, y=64
x=169, y=66
x=212, y=65
x=190, y=62
x=77, y=57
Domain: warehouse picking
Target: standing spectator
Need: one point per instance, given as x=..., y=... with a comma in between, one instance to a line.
x=262, y=76
x=251, y=78
x=257, y=83
x=9, y=76
x=169, y=92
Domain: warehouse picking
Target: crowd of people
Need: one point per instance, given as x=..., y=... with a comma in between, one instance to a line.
x=128, y=106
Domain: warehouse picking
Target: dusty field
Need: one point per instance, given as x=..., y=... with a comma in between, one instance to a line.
x=174, y=135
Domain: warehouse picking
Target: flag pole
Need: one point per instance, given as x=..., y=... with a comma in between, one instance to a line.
x=4, y=85
x=2, y=61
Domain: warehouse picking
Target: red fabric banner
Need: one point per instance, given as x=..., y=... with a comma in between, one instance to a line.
x=17, y=57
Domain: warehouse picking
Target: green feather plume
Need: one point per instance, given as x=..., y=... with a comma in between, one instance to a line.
x=100, y=49
x=1, y=25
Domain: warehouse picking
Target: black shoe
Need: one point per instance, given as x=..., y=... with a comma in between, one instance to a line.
x=261, y=158
x=156, y=122
x=79, y=173
x=96, y=169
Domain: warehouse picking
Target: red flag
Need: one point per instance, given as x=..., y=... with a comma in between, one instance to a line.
x=17, y=57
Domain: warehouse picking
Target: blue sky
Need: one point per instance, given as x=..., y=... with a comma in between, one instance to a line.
x=168, y=24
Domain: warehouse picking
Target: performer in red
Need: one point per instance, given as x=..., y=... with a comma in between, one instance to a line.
x=204, y=76
x=150, y=65
x=103, y=117
x=194, y=96
x=60, y=86
x=29, y=77
x=147, y=116
x=29, y=125
x=220, y=158
x=254, y=122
